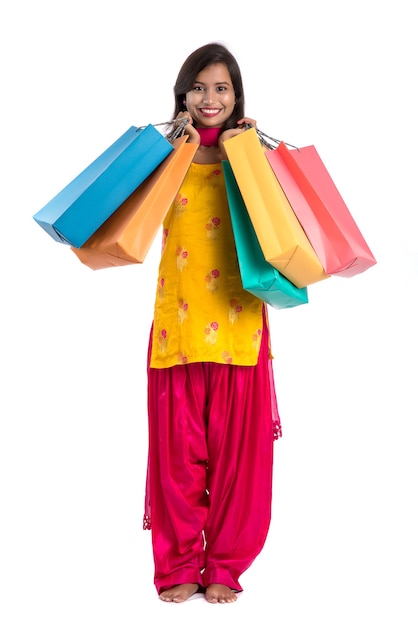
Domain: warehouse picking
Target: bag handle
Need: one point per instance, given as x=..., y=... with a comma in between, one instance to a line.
x=179, y=126
x=269, y=142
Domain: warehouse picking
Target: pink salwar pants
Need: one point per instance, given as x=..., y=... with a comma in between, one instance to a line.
x=209, y=482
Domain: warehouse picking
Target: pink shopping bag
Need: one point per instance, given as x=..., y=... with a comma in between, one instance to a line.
x=321, y=211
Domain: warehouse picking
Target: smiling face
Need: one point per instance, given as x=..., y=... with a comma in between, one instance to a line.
x=211, y=101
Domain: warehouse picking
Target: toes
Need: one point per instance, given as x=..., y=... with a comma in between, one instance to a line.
x=220, y=594
x=166, y=597
x=179, y=593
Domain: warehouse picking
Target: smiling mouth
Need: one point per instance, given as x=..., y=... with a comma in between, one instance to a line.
x=209, y=112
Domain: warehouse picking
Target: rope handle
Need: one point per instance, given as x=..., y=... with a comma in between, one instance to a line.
x=177, y=130
x=269, y=142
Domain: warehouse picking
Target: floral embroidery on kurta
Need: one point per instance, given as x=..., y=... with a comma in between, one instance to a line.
x=211, y=332
x=182, y=310
x=162, y=341
x=212, y=228
x=160, y=289
x=257, y=339
x=226, y=357
x=180, y=205
x=182, y=255
x=235, y=309
x=212, y=280
x=202, y=312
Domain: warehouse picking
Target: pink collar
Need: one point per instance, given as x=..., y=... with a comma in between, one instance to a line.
x=209, y=136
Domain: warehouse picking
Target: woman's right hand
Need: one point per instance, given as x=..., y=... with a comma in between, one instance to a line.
x=189, y=130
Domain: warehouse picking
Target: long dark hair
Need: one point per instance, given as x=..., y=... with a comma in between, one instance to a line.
x=196, y=62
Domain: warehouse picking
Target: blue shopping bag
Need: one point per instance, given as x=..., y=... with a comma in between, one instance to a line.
x=258, y=276
x=76, y=212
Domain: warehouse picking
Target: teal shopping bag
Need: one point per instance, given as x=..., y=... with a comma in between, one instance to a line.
x=258, y=276
x=76, y=212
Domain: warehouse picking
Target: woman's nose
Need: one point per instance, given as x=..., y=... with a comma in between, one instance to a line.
x=208, y=97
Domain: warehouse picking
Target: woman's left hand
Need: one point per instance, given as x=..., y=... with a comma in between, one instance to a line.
x=246, y=121
x=232, y=132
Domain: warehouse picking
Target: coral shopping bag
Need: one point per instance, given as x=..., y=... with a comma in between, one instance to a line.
x=320, y=209
x=258, y=276
x=77, y=211
x=127, y=235
x=281, y=237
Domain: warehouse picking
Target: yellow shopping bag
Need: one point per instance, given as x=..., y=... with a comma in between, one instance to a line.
x=281, y=237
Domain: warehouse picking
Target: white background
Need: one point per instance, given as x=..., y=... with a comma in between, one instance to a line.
x=342, y=547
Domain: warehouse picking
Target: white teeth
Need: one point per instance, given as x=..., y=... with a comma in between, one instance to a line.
x=210, y=111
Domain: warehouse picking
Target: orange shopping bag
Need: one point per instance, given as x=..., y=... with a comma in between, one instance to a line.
x=281, y=237
x=126, y=237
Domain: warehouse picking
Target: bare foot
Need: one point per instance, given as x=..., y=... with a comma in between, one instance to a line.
x=220, y=593
x=179, y=593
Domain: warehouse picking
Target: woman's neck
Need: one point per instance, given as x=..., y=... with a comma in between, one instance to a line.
x=209, y=136
x=207, y=155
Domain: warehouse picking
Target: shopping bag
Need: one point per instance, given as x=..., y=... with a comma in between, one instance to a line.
x=76, y=212
x=281, y=237
x=127, y=235
x=258, y=276
x=321, y=210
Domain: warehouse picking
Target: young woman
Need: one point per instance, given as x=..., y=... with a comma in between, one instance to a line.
x=211, y=400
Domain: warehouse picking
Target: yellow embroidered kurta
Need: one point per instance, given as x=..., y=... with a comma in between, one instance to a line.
x=202, y=313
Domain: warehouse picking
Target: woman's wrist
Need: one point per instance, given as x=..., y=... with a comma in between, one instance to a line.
x=189, y=129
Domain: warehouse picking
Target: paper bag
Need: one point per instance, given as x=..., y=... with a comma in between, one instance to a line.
x=127, y=235
x=321, y=210
x=281, y=237
x=258, y=276
x=77, y=211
